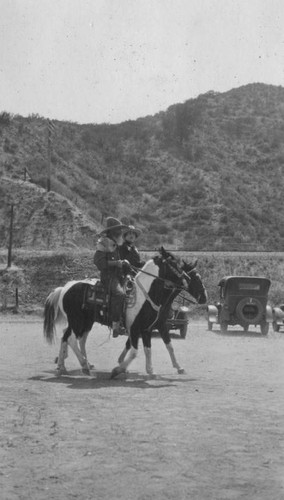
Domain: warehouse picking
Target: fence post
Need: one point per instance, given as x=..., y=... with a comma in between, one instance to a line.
x=10, y=237
x=17, y=299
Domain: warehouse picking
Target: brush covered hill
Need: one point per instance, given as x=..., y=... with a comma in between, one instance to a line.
x=206, y=174
x=42, y=220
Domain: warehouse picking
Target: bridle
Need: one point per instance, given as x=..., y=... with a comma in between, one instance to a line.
x=168, y=283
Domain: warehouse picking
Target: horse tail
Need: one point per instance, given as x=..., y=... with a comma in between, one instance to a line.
x=52, y=314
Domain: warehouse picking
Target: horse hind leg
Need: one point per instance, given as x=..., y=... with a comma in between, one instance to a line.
x=63, y=353
x=82, y=344
x=72, y=341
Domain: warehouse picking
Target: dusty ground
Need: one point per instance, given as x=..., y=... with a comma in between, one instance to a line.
x=214, y=433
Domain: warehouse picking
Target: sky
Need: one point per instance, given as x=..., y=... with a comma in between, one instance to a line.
x=96, y=61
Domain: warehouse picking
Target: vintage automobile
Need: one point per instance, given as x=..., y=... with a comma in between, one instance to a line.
x=278, y=317
x=178, y=317
x=243, y=301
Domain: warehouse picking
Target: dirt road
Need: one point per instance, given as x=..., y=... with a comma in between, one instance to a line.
x=215, y=433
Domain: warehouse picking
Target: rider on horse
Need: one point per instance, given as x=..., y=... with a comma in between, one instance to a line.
x=128, y=249
x=113, y=269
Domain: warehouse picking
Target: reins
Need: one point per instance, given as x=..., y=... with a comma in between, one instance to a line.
x=154, y=306
x=168, y=282
x=147, y=296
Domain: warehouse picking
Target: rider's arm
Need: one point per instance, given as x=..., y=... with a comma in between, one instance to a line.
x=115, y=263
x=103, y=261
x=136, y=259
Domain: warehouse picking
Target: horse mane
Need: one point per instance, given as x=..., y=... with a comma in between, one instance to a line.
x=149, y=267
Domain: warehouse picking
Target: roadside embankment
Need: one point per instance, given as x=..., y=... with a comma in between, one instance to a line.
x=36, y=273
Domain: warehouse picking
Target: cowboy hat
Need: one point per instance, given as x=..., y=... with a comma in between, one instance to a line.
x=132, y=229
x=112, y=223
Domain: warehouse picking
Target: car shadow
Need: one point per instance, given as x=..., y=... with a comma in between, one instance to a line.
x=101, y=379
x=176, y=336
x=173, y=335
x=239, y=333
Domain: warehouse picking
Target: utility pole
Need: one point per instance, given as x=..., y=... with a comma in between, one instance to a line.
x=10, y=237
x=48, y=180
x=50, y=129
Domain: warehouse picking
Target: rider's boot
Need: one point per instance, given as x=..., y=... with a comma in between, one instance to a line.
x=117, y=329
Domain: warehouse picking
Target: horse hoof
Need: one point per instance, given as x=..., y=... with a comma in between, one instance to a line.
x=61, y=371
x=117, y=371
x=181, y=371
x=86, y=371
x=152, y=375
x=92, y=367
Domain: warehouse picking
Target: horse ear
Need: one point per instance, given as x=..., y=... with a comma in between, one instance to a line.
x=191, y=266
x=162, y=251
x=156, y=259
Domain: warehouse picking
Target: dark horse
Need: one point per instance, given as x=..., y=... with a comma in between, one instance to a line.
x=155, y=287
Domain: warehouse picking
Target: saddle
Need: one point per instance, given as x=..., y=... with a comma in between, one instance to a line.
x=97, y=299
x=95, y=294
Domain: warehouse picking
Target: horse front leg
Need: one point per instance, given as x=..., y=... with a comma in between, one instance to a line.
x=82, y=345
x=125, y=351
x=165, y=334
x=124, y=364
x=146, y=338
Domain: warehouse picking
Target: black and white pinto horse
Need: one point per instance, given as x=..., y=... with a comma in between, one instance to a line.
x=155, y=287
x=173, y=278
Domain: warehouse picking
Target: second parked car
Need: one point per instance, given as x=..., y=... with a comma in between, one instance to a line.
x=243, y=301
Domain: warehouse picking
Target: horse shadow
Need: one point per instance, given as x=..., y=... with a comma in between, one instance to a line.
x=76, y=380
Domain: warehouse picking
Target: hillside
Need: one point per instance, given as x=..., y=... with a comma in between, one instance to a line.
x=203, y=175
x=42, y=220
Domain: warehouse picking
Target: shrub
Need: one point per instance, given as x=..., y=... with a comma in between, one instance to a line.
x=159, y=228
x=9, y=147
x=5, y=118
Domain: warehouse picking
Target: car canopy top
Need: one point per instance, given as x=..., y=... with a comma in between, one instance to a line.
x=244, y=284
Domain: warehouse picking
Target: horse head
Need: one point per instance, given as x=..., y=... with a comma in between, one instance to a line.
x=170, y=268
x=195, y=285
x=182, y=274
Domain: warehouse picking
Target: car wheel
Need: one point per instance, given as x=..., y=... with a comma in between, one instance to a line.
x=210, y=326
x=264, y=327
x=224, y=326
x=183, y=331
x=276, y=327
